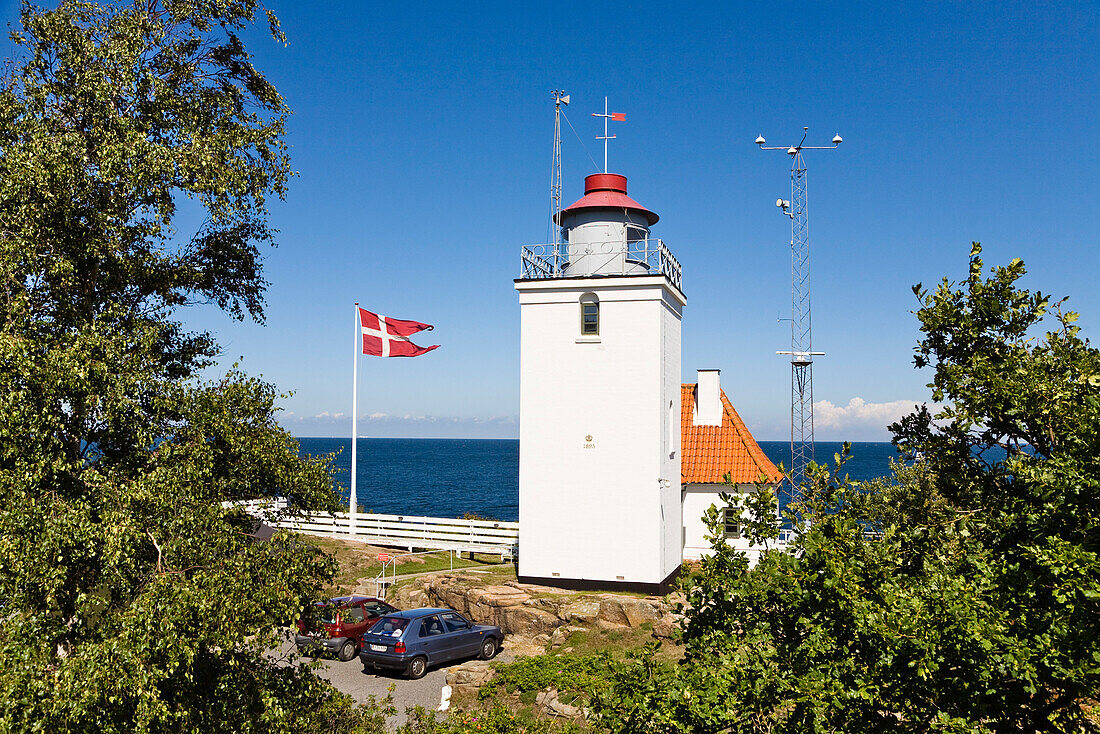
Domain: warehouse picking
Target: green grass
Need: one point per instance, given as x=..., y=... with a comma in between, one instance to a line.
x=490, y=572
x=617, y=643
x=360, y=561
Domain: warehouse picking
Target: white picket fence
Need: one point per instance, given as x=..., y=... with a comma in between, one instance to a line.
x=405, y=531
x=266, y=509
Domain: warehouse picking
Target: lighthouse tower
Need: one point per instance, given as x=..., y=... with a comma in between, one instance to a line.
x=599, y=470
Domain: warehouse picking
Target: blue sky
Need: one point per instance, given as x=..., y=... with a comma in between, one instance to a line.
x=422, y=139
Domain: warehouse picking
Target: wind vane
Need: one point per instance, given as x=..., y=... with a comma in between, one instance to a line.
x=617, y=117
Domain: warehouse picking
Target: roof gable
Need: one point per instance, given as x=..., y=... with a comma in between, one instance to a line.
x=709, y=452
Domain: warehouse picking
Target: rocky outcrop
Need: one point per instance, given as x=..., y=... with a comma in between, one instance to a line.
x=467, y=678
x=465, y=681
x=640, y=611
x=536, y=611
x=561, y=634
x=585, y=612
x=536, y=618
x=551, y=704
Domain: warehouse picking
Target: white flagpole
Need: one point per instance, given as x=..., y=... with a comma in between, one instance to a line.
x=353, y=503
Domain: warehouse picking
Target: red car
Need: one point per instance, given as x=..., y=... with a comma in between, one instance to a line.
x=337, y=626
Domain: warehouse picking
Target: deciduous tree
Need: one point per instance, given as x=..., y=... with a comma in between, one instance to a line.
x=130, y=598
x=962, y=594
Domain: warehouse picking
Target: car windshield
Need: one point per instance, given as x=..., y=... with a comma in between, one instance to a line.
x=391, y=626
x=378, y=608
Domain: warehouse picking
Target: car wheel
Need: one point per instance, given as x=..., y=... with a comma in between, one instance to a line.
x=347, y=651
x=488, y=649
x=417, y=668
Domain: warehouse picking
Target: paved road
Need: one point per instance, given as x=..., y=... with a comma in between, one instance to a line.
x=349, y=678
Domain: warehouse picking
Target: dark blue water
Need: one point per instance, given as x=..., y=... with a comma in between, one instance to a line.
x=429, y=476
x=867, y=461
x=451, y=477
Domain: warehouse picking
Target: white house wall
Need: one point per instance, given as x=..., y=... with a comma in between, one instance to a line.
x=696, y=499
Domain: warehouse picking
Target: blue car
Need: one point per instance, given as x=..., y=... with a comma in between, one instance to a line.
x=417, y=639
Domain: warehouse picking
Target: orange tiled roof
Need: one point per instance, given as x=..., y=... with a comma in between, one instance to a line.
x=708, y=452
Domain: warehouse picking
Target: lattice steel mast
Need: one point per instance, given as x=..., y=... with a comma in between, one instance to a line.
x=801, y=352
x=560, y=98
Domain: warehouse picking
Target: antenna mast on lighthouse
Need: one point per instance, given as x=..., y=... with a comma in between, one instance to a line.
x=560, y=98
x=618, y=117
x=801, y=353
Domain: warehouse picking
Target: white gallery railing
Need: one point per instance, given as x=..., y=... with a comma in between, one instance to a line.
x=615, y=257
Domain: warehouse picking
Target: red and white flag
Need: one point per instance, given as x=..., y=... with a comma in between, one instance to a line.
x=388, y=337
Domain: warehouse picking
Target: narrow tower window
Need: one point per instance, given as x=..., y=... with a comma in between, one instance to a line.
x=590, y=315
x=673, y=430
x=636, y=242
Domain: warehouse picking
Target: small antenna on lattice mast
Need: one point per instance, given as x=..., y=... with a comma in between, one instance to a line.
x=560, y=98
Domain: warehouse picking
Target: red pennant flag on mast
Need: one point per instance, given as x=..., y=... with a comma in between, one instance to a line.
x=617, y=117
x=388, y=337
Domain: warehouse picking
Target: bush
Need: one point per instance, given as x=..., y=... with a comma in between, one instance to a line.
x=580, y=673
x=974, y=602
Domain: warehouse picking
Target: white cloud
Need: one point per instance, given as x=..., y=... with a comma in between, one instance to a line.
x=383, y=425
x=858, y=413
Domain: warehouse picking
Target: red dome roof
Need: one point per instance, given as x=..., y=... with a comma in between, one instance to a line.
x=607, y=191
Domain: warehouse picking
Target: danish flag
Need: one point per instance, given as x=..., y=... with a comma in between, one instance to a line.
x=387, y=337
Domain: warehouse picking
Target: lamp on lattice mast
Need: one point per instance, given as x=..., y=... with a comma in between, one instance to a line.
x=801, y=352
x=560, y=98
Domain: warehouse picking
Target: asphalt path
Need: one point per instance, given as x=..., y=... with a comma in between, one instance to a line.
x=350, y=678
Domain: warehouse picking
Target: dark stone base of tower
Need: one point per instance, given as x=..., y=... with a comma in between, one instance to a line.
x=655, y=589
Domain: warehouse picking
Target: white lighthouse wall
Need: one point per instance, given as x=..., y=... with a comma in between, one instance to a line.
x=596, y=509
x=671, y=506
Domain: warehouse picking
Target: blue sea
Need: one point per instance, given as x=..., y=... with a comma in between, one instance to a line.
x=450, y=477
